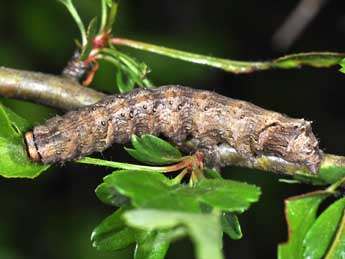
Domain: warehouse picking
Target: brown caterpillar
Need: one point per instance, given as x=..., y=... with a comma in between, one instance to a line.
x=181, y=114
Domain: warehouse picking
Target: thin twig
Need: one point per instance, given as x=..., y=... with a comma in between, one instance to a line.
x=55, y=91
x=292, y=61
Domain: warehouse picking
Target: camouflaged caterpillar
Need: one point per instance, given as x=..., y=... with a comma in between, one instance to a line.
x=180, y=114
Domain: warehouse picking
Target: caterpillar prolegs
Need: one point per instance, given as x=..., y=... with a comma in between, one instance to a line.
x=182, y=115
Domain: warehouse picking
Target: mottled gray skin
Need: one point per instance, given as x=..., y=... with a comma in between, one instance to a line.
x=191, y=119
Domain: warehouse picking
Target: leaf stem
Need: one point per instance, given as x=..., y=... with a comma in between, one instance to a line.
x=314, y=59
x=104, y=15
x=337, y=239
x=180, y=176
x=162, y=169
x=127, y=64
x=336, y=185
x=227, y=65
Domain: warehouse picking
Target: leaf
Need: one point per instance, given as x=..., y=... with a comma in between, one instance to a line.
x=74, y=13
x=146, y=189
x=151, y=245
x=210, y=173
x=332, y=169
x=109, y=2
x=322, y=232
x=14, y=162
x=152, y=190
x=227, y=195
x=123, y=86
x=113, y=5
x=203, y=229
x=18, y=123
x=152, y=150
x=108, y=16
x=231, y=226
x=132, y=69
x=90, y=34
x=6, y=129
x=314, y=59
x=342, y=65
x=110, y=195
x=300, y=213
x=112, y=233
x=338, y=247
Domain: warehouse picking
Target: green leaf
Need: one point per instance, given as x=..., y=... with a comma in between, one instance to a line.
x=104, y=16
x=113, y=5
x=90, y=34
x=112, y=233
x=132, y=69
x=300, y=214
x=227, y=195
x=332, y=174
x=314, y=59
x=109, y=2
x=108, y=16
x=332, y=169
x=110, y=195
x=6, y=129
x=151, y=245
x=14, y=162
x=342, y=65
x=210, y=173
x=338, y=247
x=203, y=229
x=231, y=225
x=74, y=13
x=152, y=190
x=18, y=123
x=322, y=232
x=123, y=86
x=152, y=150
x=146, y=189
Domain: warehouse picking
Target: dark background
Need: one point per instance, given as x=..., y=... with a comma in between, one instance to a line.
x=53, y=215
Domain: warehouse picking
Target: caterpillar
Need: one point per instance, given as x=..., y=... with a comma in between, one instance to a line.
x=182, y=115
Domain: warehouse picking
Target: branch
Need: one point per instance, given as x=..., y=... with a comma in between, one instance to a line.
x=292, y=61
x=55, y=91
x=67, y=94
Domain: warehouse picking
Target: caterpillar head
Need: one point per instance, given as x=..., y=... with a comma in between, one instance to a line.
x=304, y=147
x=31, y=148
